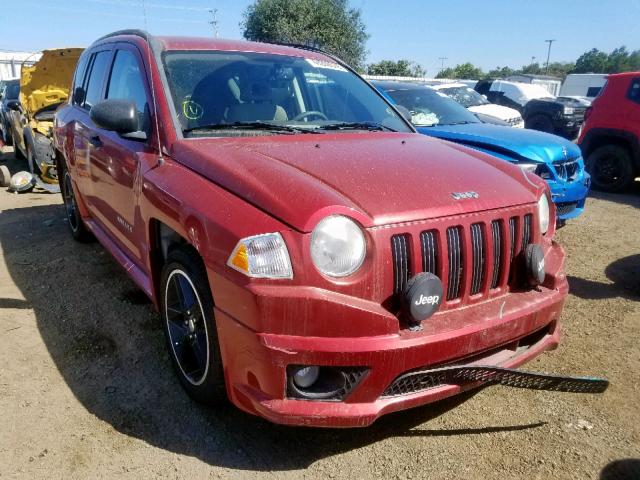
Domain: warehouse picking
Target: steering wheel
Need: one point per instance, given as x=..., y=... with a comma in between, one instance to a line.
x=310, y=113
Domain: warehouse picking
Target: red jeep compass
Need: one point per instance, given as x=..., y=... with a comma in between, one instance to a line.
x=310, y=254
x=610, y=136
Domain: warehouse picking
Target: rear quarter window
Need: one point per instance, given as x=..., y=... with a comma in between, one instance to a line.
x=634, y=91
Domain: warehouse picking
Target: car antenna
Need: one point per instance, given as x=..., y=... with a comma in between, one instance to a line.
x=153, y=90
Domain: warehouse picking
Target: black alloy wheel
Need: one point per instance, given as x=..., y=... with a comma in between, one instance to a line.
x=187, y=309
x=611, y=168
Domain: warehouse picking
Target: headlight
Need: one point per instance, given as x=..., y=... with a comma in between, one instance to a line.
x=262, y=256
x=569, y=110
x=338, y=246
x=543, y=213
x=528, y=167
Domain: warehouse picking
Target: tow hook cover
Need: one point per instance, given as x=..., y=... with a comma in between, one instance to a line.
x=534, y=260
x=421, y=297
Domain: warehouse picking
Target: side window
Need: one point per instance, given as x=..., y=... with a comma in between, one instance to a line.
x=93, y=93
x=634, y=91
x=78, y=79
x=127, y=81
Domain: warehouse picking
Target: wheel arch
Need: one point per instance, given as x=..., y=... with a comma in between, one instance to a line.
x=163, y=238
x=599, y=137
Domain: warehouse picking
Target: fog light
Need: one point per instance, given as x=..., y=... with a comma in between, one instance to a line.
x=304, y=377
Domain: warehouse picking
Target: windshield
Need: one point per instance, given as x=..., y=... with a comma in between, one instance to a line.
x=212, y=90
x=465, y=96
x=429, y=107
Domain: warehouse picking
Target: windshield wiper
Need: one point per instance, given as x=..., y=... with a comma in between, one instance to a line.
x=356, y=126
x=464, y=122
x=250, y=126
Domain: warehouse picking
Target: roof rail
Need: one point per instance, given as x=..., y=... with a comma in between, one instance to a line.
x=311, y=48
x=130, y=31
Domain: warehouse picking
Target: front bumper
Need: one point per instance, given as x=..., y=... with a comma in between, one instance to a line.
x=515, y=328
x=570, y=197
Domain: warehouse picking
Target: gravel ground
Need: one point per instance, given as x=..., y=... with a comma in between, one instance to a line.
x=87, y=391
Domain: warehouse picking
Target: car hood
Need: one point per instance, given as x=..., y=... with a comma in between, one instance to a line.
x=378, y=178
x=516, y=143
x=565, y=101
x=47, y=81
x=498, y=111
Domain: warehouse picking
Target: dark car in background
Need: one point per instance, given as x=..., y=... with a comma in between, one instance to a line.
x=9, y=96
x=540, y=109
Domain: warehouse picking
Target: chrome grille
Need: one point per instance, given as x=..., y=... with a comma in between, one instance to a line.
x=496, y=234
x=454, y=248
x=567, y=170
x=472, y=255
x=401, y=262
x=478, y=257
x=526, y=231
x=428, y=241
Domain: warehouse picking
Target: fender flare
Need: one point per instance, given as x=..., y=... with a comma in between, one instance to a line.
x=630, y=139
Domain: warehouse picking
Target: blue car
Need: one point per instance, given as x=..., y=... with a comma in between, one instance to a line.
x=553, y=158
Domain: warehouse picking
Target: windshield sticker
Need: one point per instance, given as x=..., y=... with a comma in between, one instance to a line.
x=191, y=109
x=326, y=64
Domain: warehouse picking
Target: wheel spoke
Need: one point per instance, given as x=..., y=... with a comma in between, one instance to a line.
x=186, y=292
x=200, y=349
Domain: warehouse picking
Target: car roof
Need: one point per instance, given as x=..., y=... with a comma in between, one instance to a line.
x=215, y=44
x=623, y=75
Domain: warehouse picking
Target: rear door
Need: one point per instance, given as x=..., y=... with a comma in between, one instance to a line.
x=117, y=161
x=88, y=92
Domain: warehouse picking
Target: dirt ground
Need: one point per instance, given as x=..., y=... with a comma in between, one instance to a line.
x=87, y=391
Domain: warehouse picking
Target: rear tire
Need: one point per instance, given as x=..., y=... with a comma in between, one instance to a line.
x=190, y=330
x=611, y=168
x=540, y=122
x=78, y=229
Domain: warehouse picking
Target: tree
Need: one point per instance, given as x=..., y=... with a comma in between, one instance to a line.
x=327, y=24
x=593, y=61
x=500, y=72
x=401, y=68
x=464, y=70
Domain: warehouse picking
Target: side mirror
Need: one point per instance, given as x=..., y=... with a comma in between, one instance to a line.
x=405, y=112
x=14, y=105
x=119, y=116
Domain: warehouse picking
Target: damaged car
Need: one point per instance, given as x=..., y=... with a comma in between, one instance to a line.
x=44, y=86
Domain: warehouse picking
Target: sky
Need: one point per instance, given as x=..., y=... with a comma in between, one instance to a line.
x=485, y=33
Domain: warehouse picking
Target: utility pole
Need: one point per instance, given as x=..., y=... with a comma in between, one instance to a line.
x=214, y=21
x=442, y=59
x=548, y=54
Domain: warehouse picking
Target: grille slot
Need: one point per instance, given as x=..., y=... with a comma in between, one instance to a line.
x=428, y=241
x=478, y=249
x=566, y=170
x=401, y=261
x=454, y=248
x=526, y=231
x=496, y=234
x=512, y=238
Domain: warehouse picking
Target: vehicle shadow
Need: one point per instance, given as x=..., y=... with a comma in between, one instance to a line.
x=624, y=469
x=630, y=197
x=625, y=275
x=107, y=343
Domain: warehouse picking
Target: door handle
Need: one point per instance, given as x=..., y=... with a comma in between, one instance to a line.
x=95, y=141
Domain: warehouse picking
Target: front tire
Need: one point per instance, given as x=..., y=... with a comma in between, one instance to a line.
x=189, y=325
x=611, y=168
